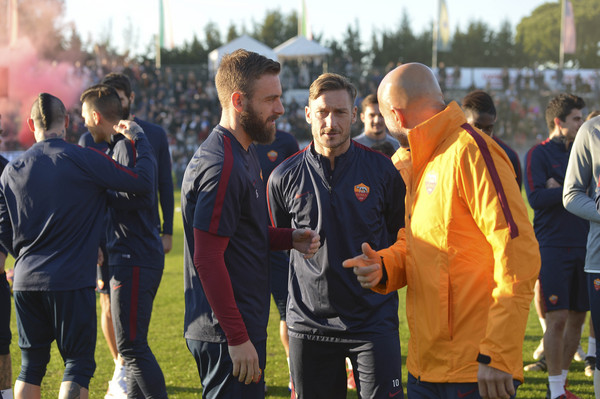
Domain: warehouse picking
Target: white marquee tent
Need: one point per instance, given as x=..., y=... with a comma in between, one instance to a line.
x=245, y=42
x=299, y=48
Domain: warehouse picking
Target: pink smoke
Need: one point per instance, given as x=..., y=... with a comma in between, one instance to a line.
x=28, y=75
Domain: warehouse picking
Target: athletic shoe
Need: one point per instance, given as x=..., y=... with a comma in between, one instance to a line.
x=539, y=351
x=590, y=365
x=540, y=365
x=570, y=395
x=115, y=391
x=579, y=356
x=566, y=395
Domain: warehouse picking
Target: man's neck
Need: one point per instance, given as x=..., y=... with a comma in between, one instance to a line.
x=376, y=135
x=332, y=153
x=556, y=136
x=238, y=132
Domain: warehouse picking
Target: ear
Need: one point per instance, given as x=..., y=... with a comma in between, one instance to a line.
x=362, y=117
x=131, y=98
x=31, y=124
x=307, y=114
x=558, y=123
x=237, y=101
x=67, y=119
x=399, y=118
x=354, y=111
x=96, y=117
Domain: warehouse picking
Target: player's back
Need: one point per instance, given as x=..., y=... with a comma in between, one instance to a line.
x=54, y=204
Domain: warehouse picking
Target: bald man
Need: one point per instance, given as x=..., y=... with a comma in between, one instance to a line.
x=468, y=253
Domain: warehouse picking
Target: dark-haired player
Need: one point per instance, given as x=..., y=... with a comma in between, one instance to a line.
x=480, y=111
x=158, y=140
x=375, y=131
x=562, y=238
x=57, y=193
x=135, y=253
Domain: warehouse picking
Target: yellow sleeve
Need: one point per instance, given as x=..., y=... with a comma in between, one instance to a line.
x=488, y=188
x=394, y=261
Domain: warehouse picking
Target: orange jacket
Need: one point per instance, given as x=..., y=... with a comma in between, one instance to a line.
x=468, y=253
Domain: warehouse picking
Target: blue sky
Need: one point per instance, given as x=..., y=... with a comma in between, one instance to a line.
x=326, y=16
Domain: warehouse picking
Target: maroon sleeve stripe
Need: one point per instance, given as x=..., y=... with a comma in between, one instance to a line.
x=489, y=162
x=222, y=189
x=528, y=170
x=116, y=164
x=134, y=152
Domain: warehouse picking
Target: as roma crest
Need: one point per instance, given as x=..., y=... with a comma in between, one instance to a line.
x=553, y=299
x=361, y=191
x=430, y=182
x=272, y=155
x=597, y=284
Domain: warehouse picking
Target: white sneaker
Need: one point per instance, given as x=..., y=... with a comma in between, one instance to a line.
x=117, y=387
x=579, y=356
x=115, y=391
x=539, y=351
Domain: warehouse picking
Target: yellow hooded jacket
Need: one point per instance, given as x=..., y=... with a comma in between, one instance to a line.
x=468, y=253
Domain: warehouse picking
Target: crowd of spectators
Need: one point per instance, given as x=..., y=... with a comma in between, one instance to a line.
x=184, y=101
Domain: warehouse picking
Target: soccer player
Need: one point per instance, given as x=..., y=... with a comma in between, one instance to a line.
x=158, y=139
x=348, y=194
x=581, y=182
x=480, y=112
x=227, y=237
x=135, y=253
x=160, y=146
x=269, y=156
x=562, y=239
x=375, y=131
x=5, y=304
x=468, y=254
x=57, y=193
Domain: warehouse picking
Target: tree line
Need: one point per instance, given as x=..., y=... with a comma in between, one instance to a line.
x=534, y=41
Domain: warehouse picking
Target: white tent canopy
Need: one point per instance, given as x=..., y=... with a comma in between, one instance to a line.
x=245, y=42
x=300, y=47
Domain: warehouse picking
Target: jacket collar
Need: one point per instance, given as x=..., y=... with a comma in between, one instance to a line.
x=425, y=138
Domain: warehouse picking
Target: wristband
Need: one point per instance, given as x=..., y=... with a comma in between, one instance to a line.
x=484, y=359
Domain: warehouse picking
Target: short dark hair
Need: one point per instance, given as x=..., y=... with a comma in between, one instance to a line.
x=239, y=71
x=331, y=82
x=479, y=101
x=368, y=101
x=105, y=100
x=119, y=81
x=561, y=106
x=47, y=110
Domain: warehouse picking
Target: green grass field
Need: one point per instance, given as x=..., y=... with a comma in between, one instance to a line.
x=179, y=368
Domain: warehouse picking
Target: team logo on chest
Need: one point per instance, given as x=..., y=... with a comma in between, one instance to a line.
x=272, y=155
x=361, y=191
x=597, y=284
x=431, y=180
x=553, y=299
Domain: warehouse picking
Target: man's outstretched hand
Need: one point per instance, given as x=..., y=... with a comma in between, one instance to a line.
x=367, y=267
